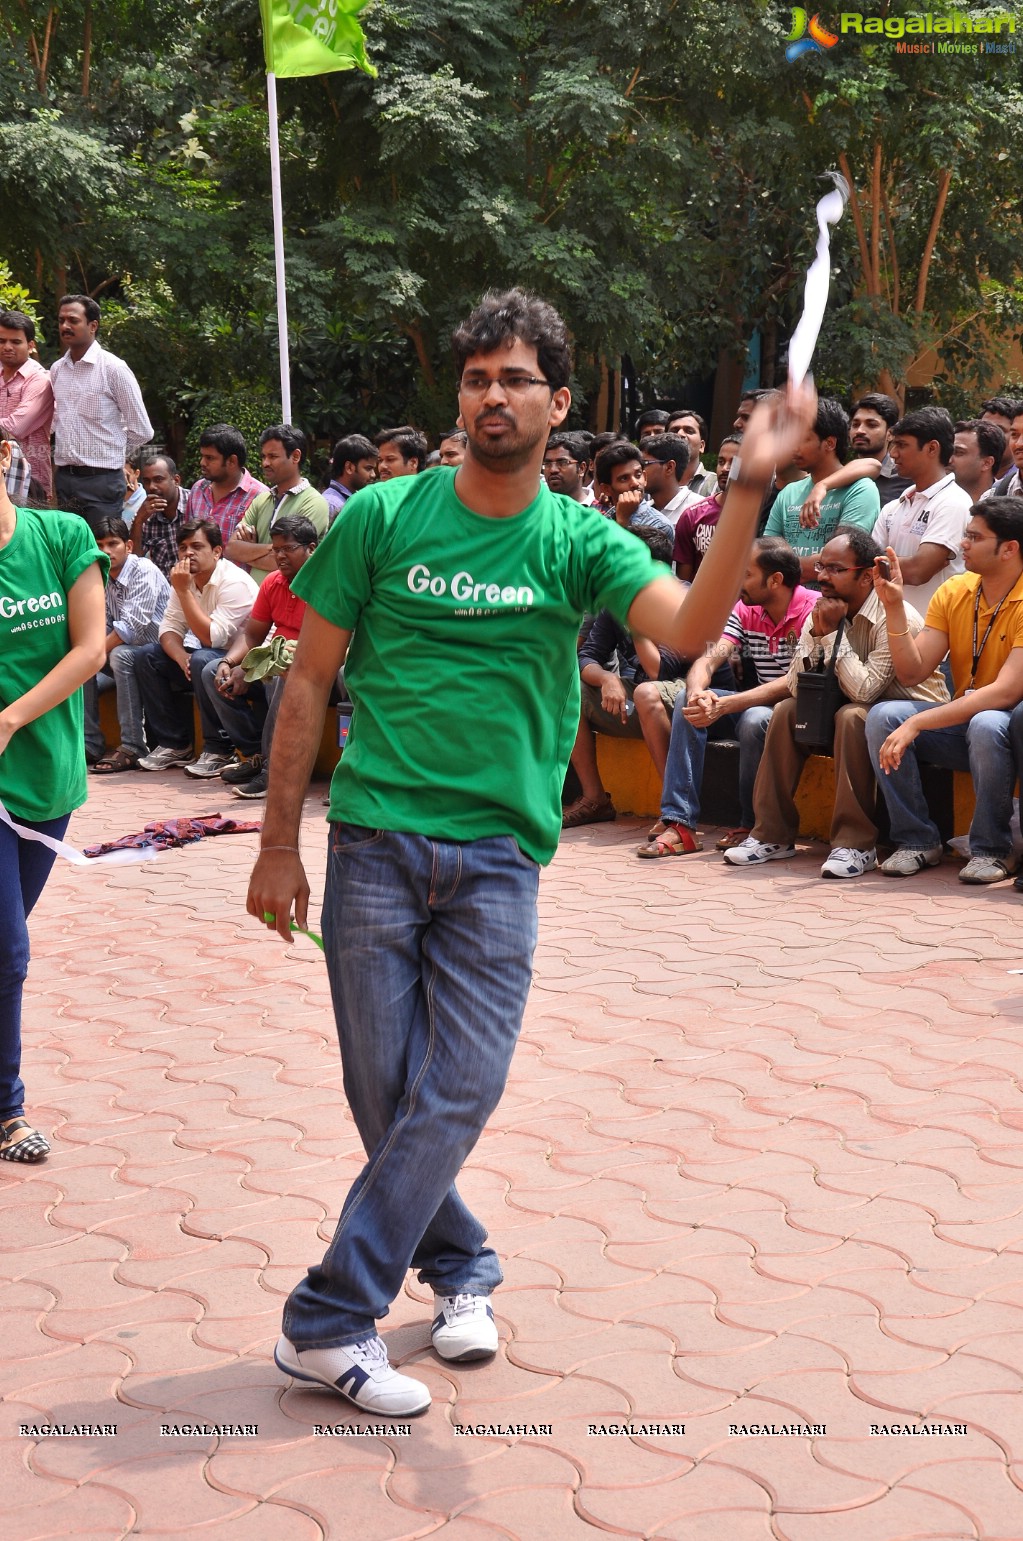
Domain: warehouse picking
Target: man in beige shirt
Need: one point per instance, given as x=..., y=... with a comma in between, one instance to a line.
x=866, y=674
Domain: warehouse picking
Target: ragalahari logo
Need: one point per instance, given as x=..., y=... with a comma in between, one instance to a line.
x=818, y=41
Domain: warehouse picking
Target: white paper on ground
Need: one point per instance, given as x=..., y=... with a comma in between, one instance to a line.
x=818, y=281
x=70, y=853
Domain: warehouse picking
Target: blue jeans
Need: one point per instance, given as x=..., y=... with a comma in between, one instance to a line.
x=167, y=698
x=687, y=748
x=239, y=719
x=989, y=746
x=429, y=950
x=118, y=675
x=24, y=867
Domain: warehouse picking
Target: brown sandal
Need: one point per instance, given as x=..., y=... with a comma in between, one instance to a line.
x=588, y=810
x=115, y=760
x=676, y=840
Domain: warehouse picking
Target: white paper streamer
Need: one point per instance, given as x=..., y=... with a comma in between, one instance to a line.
x=818, y=281
x=122, y=858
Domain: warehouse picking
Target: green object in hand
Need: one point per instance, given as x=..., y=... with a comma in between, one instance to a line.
x=271, y=920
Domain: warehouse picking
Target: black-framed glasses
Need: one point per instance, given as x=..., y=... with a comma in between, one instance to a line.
x=513, y=384
x=833, y=569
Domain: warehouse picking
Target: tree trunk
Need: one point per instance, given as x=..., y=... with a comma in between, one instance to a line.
x=415, y=332
x=87, y=49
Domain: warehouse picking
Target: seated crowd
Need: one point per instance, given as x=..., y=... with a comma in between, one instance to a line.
x=890, y=557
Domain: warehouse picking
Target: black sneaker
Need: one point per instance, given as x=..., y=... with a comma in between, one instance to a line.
x=241, y=770
x=254, y=788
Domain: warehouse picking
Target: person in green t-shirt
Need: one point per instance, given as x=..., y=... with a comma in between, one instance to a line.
x=822, y=453
x=457, y=598
x=282, y=451
x=52, y=632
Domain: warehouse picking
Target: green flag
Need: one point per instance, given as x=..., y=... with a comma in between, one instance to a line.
x=313, y=37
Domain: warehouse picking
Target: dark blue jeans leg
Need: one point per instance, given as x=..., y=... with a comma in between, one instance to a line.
x=166, y=698
x=238, y=720
x=24, y=867
x=429, y=949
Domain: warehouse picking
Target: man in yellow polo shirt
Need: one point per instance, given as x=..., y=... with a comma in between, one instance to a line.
x=977, y=619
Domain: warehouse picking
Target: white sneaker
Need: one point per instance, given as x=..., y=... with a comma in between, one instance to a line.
x=988, y=869
x=209, y=764
x=844, y=862
x=359, y=1371
x=907, y=862
x=464, y=1327
x=165, y=759
x=752, y=851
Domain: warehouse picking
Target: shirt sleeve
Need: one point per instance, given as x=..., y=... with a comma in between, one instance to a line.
x=608, y=566
x=734, y=629
x=34, y=410
x=174, y=618
x=861, y=504
x=882, y=528
x=78, y=551
x=684, y=553
x=144, y=603
x=866, y=680
x=946, y=525
x=235, y=598
x=602, y=641
x=261, y=610
x=937, y=611
x=125, y=391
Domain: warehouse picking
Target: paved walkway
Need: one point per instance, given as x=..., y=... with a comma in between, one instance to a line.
x=758, y=1164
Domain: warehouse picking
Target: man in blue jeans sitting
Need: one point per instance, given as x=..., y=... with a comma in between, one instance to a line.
x=762, y=632
x=977, y=619
x=444, y=806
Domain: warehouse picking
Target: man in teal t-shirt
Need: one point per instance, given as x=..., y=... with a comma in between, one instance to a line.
x=822, y=453
x=457, y=599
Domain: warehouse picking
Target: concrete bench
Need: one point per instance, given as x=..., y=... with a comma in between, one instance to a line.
x=628, y=773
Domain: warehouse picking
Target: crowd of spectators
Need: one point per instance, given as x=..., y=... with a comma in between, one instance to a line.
x=892, y=544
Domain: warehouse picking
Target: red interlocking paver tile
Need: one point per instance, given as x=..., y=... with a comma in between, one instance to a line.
x=740, y=1175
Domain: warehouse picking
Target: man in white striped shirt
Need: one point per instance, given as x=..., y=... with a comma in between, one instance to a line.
x=99, y=417
x=136, y=598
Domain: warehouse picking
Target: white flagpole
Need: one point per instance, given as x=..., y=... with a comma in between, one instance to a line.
x=278, y=213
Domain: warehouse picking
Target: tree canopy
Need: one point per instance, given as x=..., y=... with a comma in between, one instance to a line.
x=652, y=169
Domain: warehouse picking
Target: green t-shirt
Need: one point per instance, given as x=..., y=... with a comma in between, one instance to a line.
x=463, y=667
x=42, y=770
x=857, y=504
x=262, y=513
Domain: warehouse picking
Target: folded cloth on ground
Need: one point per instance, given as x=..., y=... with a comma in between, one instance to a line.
x=167, y=834
x=273, y=657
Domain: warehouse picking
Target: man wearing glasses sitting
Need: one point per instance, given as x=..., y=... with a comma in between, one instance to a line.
x=864, y=668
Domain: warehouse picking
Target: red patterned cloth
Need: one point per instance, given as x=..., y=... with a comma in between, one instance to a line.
x=167, y=834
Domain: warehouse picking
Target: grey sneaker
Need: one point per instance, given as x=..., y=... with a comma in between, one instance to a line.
x=907, y=863
x=165, y=759
x=988, y=869
x=844, y=862
x=751, y=851
x=256, y=787
x=208, y=765
x=359, y=1371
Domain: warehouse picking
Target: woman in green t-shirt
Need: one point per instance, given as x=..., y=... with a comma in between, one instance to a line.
x=52, y=628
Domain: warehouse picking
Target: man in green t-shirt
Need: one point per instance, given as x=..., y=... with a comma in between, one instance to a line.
x=282, y=451
x=457, y=599
x=821, y=453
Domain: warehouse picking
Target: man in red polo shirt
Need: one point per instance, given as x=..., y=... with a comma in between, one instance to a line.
x=293, y=539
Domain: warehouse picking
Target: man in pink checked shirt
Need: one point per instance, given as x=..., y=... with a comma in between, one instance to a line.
x=26, y=400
